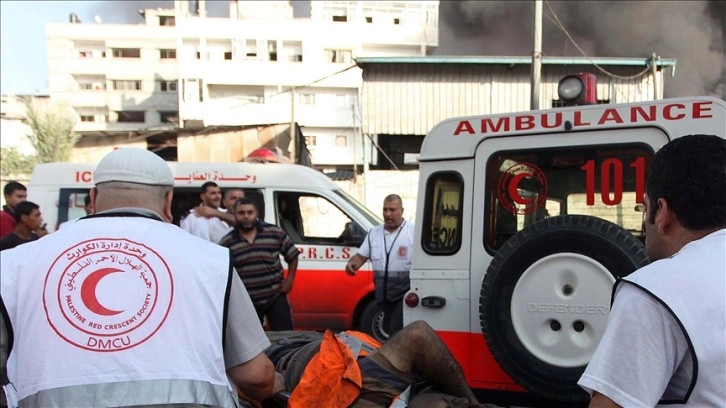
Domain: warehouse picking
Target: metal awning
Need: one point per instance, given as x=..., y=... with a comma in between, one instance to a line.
x=451, y=59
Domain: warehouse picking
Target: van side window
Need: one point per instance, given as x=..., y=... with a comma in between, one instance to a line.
x=529, y=185
x=187, y=198
x=443, y=213
x=70, y=204
x=314, y=220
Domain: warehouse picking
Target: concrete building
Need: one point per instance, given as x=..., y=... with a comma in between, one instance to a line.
x=121, y=80
x=356, y=77
x=197, y=88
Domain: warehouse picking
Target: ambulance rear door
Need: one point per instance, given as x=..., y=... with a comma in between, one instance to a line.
x=542, y=308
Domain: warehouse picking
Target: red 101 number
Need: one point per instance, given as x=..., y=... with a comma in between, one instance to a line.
x=611, y=176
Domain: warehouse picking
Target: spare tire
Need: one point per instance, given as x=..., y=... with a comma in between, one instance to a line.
x=545, y=300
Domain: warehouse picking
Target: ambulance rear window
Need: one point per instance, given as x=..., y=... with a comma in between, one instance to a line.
x=443, y=213
x=526, y=186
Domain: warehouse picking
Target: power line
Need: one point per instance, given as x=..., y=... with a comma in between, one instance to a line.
x=561, y=26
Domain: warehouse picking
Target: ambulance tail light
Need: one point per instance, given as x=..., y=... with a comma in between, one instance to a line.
x=411, y=299
x=580, y=89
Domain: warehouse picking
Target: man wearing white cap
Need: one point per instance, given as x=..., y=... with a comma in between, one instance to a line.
x=122, y=308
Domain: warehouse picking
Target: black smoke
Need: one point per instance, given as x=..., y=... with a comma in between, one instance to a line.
x=692, y=32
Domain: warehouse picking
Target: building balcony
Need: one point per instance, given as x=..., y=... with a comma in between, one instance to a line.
x=232, y=112
x=271, y=73
x=385, y=34
x=81, y=66
x=116, y=68
x=108, y=127
x=130, y=100
x=94, y=99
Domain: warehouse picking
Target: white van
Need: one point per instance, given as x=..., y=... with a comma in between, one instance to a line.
x=323, y=221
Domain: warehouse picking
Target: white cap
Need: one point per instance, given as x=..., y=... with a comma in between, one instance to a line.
x=133, y=165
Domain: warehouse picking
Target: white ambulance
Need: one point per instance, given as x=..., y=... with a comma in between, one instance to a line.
x=525, y=220
x=323, y=221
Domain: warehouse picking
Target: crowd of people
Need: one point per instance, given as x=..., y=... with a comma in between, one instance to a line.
x=156, y=315
x=203, y=341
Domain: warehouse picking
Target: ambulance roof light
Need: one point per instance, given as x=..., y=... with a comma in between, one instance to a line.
x=580, y=89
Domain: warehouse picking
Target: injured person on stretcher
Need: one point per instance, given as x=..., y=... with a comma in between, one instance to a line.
x=351, y=369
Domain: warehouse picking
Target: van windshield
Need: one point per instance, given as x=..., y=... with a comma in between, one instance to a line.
x=368, y=214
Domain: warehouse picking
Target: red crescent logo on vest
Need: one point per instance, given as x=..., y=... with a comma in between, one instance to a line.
x=107, y=294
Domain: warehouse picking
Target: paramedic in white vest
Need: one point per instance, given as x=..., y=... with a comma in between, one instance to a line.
x=122, y=308
x=665, y=341
x=389, y=247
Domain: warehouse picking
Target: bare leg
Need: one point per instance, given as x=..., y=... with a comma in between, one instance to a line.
x=418, y=350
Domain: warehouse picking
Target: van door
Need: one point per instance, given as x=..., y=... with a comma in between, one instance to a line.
x=545, y=252
x=323, y=294
x=70, y=205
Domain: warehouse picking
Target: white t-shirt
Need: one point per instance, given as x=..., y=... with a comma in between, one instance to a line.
x=629, y=365
x=211, y=229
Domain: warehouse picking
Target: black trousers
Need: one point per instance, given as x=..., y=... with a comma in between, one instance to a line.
x=278, y=312
x=393, y=316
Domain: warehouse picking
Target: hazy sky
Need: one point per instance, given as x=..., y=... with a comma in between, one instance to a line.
x=692, y=32
x=23, y=65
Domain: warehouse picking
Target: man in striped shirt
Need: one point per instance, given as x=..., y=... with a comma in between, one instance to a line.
x=256, y=249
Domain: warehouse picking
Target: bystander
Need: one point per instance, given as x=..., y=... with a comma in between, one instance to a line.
x=14, y=193
x=28, y=219
x=256, y=249
x=211, y=229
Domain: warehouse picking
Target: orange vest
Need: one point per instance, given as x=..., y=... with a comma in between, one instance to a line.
x=332, y=378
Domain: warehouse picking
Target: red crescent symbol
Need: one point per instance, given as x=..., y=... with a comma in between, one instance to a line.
x=513, y=184
x=88, y=292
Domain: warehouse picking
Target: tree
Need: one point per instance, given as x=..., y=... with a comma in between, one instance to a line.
x=14, y=163
x=51, y=130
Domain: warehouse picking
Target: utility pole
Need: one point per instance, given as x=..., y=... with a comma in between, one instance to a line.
x=293, y=133
x=536, y=54
x=656, y=80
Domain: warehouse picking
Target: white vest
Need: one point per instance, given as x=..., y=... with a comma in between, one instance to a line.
x=130, y=301
x=692, y=284
x=390, y=255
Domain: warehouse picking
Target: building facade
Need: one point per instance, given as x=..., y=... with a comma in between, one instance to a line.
x=199, y=88
x=356, y=77
x=121, y=80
